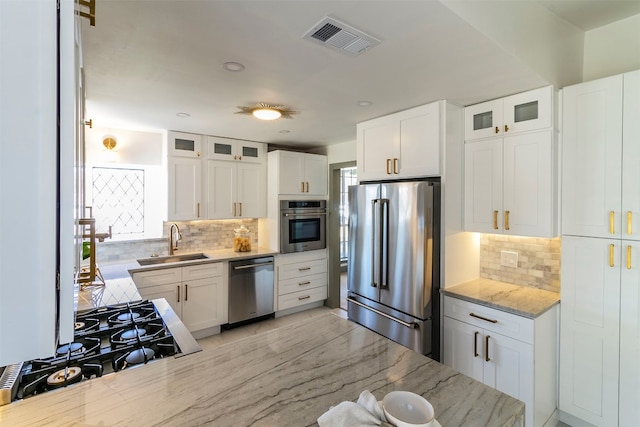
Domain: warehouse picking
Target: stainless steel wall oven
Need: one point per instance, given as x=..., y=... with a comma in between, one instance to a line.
x=302, y=225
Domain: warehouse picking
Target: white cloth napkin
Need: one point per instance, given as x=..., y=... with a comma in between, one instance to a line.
x=366, y=412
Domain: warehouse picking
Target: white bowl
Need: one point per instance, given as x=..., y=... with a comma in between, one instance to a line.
x=406, y=409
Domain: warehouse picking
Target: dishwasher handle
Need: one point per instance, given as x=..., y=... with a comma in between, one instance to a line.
x=242, y=267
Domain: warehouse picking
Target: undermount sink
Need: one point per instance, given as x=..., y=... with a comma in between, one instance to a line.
x=171, y=258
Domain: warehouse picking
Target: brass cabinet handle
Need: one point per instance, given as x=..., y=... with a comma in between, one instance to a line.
x=506, y=220
x=178, y=287
x=497, y=129
x=234, y=208
x=304, y=268
x=302, y=186
x=304, y=283
x=307, y=187
x=486, y=348
x=495, y=220
x=198, y=154
x=395, y=165
x=612, y=229
x=388, y=166
x=629, y=257
x=482, y=318
x=198, y=209
x=629, y=223
x=475, y=344
x=186, y=292
x=240, y=208
x=611, y=255
x=239, y=157
x=506, y=128
x=304, y=297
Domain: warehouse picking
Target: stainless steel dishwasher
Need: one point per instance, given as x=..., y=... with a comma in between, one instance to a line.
x=250, y=289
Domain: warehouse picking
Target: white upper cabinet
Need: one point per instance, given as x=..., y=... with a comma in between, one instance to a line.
x=235, y=150
x=236, y=181
x=184, y=144
x=185, y=189
x=400, y=145
x=511, y=179
x=522, y=112
x=300, y=173
x=593, y=159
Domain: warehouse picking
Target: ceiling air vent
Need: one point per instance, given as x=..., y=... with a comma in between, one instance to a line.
x=341, y=37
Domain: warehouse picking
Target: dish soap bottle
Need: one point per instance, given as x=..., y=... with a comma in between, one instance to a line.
x=242, y=239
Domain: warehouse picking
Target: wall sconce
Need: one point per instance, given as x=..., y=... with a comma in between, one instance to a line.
x=110, y=153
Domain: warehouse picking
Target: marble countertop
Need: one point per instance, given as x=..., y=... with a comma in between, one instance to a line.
x=521, y=300
x=286, y=376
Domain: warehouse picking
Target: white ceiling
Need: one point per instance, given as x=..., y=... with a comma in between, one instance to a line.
x=146, y=61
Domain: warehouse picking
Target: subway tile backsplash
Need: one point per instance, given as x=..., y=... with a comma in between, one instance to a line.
x=196, y=236
x=538, y=261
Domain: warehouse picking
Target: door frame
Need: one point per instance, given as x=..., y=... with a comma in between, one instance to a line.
x=333, y=235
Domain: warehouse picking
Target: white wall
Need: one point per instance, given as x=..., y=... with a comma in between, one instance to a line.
x=338, y=153
x=548, y=45
x=139, y=150
x=612, y=49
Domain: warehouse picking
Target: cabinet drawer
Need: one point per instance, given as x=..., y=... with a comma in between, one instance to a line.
x=302, y=269
x=201, y=271
x=511, y=325
x=302, y=297
x=161, y=276
x=298, y=284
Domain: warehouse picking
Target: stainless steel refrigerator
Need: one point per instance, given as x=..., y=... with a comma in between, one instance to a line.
x=394, y=261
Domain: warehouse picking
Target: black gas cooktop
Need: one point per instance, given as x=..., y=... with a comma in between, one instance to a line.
x=106, y=339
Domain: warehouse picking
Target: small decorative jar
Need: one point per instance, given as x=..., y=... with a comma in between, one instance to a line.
x=242, y=239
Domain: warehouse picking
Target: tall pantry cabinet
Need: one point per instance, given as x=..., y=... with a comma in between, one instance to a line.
x=600, y=328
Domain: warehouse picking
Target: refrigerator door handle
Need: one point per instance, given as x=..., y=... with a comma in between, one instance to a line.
x=384, y=244
x=374, y=276
x=411, y=325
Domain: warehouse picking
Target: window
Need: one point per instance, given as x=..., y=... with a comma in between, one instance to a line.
x=118, y=200
x=348, y=177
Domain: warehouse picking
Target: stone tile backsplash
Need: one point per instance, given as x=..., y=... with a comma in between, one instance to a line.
x=538, y=261
x=196, y=236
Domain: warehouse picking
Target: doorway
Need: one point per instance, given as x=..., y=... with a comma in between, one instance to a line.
x=341, y=176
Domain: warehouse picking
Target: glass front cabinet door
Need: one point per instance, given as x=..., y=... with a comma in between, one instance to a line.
x=238, y=150
x=522, y=112
x=185, y=144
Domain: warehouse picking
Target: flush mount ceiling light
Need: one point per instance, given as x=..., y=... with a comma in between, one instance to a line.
x=233, y=66
x=267, y=112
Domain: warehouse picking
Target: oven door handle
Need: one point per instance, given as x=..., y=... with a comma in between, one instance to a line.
x=304, y=214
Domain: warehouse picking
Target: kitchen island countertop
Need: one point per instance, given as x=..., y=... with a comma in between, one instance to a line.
x=521, y=300
x=286, y=376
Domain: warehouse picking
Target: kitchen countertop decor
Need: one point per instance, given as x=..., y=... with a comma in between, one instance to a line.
x=521, y=300
x=286, y=376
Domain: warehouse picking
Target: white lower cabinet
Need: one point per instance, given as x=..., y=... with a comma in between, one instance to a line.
x=513, y=354
x=302, y=279
x=197, y=293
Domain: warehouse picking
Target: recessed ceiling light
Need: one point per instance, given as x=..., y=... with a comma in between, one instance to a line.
x=183, y=114
x=364, y=103
x=233, y=66
x=284, y=131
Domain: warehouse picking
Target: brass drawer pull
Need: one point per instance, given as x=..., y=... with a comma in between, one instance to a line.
x=611, y=264
x=388, y=166
x=395, y=166
x=495, y=220
x=482, y=318
x=304, y=283
x=629, y=257
x=629, y=223
x=304, y=297
x=304, y=269
x=612, y=229
x=506, y=220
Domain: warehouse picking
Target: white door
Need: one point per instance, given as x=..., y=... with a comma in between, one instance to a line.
x=508, y=365
x=185, y=189
x=418, y=147
x=483, y=120
x=483, y=186
x=221, y=189
x=375, y=149
x=589, y=331
x=291, y=171
x=527, y=184
x=463, y=348
x=316, y=174
x=631, y=157
x=201, y=306
x=630, y=334
x=252, y=190
x=592, y=153
x=528, y=111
